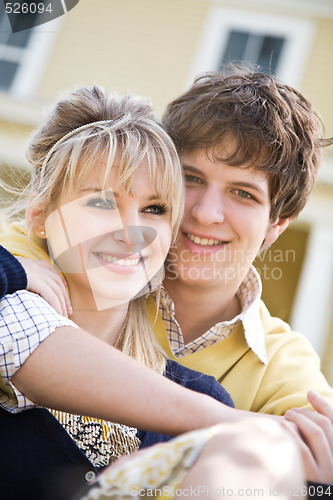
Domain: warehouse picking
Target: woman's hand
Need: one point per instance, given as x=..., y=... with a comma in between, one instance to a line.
x=48, y=283
x=315, y=438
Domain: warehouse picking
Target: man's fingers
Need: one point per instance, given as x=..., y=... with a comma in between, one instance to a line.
x=316, y=434
x=309, y=463
x=320, y=404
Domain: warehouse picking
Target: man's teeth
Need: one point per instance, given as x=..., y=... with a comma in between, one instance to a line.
x=119, y=262
x=203, y=241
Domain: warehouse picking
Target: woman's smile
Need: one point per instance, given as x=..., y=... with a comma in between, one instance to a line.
x=121, y=263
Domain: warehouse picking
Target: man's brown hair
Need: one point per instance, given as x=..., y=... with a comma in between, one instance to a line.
x=269, y=125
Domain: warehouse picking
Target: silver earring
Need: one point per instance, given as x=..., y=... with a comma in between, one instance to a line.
x=42, y=233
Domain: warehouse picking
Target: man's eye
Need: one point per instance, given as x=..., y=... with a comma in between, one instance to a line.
x=244, y=194
x=102, y=203
x=155, y=209
x=192, y=178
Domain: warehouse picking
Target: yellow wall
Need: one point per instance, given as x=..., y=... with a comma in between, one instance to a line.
x=317, y=85
x=142, y=46
x=280, y=268
x=327, y=365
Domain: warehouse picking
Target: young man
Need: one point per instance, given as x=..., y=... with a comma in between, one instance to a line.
x=250, y=148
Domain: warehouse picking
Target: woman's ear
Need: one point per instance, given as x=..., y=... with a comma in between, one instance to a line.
x=35, y=220
x=276, y=229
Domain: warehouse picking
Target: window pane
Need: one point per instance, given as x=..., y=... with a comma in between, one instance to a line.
x=7, y=37
x=22, y=25
x=19, y=39
x=235, y=47
x=264, y=50
x=270, y=53
x=19, y=21
x=7, y=73
x=5, y=29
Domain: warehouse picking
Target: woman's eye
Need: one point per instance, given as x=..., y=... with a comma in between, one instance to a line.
x=102, y=203
x=192, y=179
x=155, y=209
x=244, y=194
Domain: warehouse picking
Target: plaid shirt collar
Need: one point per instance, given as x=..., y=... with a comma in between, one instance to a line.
x=248, y=294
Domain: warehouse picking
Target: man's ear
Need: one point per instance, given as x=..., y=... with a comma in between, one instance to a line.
x=276, y=229
x=35, y=220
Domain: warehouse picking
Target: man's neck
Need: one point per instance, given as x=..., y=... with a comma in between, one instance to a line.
x=197, y=308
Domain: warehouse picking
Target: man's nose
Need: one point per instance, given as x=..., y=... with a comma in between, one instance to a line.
x=208, y=208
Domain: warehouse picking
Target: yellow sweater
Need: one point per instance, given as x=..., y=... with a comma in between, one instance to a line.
x=293, y=367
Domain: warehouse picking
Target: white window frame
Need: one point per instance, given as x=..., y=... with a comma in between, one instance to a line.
x=311, y=314
x=298, y=33
x=32, y=58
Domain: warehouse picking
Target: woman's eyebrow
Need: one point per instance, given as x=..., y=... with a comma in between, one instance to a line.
x=96, y=189
x=110, y=192
x=154, y=197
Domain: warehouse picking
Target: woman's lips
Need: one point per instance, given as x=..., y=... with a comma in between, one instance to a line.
x=120, y=263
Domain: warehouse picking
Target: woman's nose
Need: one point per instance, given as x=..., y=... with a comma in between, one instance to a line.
x=208, y=208
x=132, y=236
x=136, y=238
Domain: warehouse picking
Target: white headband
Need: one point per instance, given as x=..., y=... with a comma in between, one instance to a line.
x=66, y=136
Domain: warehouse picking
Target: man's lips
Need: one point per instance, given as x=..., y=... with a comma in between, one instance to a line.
x=204, y=241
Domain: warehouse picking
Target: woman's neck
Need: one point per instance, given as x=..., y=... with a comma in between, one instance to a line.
x=106, y=324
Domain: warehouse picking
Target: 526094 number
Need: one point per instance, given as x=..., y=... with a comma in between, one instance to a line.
x=28, y=8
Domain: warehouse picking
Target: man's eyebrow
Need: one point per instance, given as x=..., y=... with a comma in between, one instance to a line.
x=241, y=183
x=250, y=185
x=191, y=169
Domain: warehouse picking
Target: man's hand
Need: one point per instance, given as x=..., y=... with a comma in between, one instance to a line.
x=48, y=283
x=315, y=438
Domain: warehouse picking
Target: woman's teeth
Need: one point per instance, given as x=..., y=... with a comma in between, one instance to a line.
x=119, y=262
x=203, y=241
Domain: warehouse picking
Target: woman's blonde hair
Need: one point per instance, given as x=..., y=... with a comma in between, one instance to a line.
x=84, y=126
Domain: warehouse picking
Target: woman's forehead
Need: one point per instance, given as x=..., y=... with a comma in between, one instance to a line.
x=102, y=176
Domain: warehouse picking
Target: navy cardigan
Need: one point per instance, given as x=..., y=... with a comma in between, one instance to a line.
x=12, y=274
x=192, y=380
